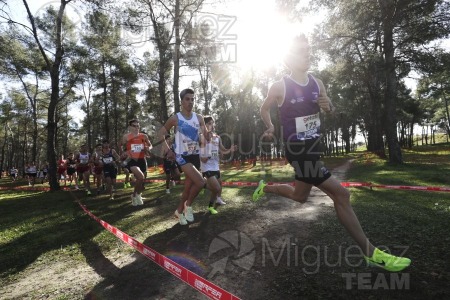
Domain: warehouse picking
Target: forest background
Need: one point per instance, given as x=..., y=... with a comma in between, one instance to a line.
x=118, y=60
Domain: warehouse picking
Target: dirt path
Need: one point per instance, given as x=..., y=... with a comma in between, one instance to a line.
x=242, y=253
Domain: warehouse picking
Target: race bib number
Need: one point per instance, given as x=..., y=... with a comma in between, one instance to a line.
x=84, y=161
x=137, y=148
x=214, y=153
x=191, y=147
x=308, y=125
x=107, y=160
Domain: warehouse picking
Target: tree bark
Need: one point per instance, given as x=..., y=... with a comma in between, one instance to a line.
x=54, y=69
x=105, y=102
x=388, y=15
x=176, y=58
x=162, y=47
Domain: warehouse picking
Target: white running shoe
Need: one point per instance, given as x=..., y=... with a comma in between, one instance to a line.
x=189, y=213
x=220, y=201
x=139, y=200
x=167, y=191
x=134, y=200
x=173, y=183
x=181, y=218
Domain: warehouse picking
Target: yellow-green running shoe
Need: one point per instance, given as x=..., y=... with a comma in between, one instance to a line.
x=387, y=261
x=212, y=210
x=259, y=192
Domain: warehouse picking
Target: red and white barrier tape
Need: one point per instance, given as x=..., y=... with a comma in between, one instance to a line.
x=204, y=286
x=397, y=187
x=416, y=188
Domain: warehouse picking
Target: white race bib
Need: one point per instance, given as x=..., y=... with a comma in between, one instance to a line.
x=137, y=148
x=191, y=147
x=307, y=125
x=214, y=153
x=107, y=160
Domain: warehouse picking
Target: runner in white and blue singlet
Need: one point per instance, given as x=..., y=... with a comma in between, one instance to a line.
x=189, y=133
x=187, y=140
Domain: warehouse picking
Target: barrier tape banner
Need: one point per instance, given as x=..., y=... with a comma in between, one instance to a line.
x=199, y=283
x=253, y=184
x=416, y=188
x=397, y=187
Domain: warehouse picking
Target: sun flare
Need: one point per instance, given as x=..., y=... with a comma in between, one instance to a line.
x=263, y=35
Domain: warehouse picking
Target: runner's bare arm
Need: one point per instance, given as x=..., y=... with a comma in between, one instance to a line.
x=224, y=150
x=324, y=101
x=123, y=144
x=147, y=145
x=204, y=157
x=274, y=97
x=203, y=131
x=163, y=131
x=116, y=155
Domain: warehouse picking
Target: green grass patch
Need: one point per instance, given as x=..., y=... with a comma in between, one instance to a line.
x=427, y=165
x=42, y=228
x=404, y=222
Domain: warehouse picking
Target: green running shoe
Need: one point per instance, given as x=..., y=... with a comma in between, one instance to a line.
x=259, y=192
x=212, y=210
x=387, y=261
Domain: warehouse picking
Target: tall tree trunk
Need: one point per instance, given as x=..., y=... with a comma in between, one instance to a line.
x=51, y=130
x=87, y=99
x=204, y=82
x=65, y=141
x=162, y=48
x=5, y=142
x=346, y=138
x=374, y=141
x=116, y=116
x=162, y=88
x=105, y=102
x=447, y=114
x=54, y=69
x=176, y=57
x=388, y=14
x=411, y=134
x=24, y=150
x=433, y=138
x=34, y=136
